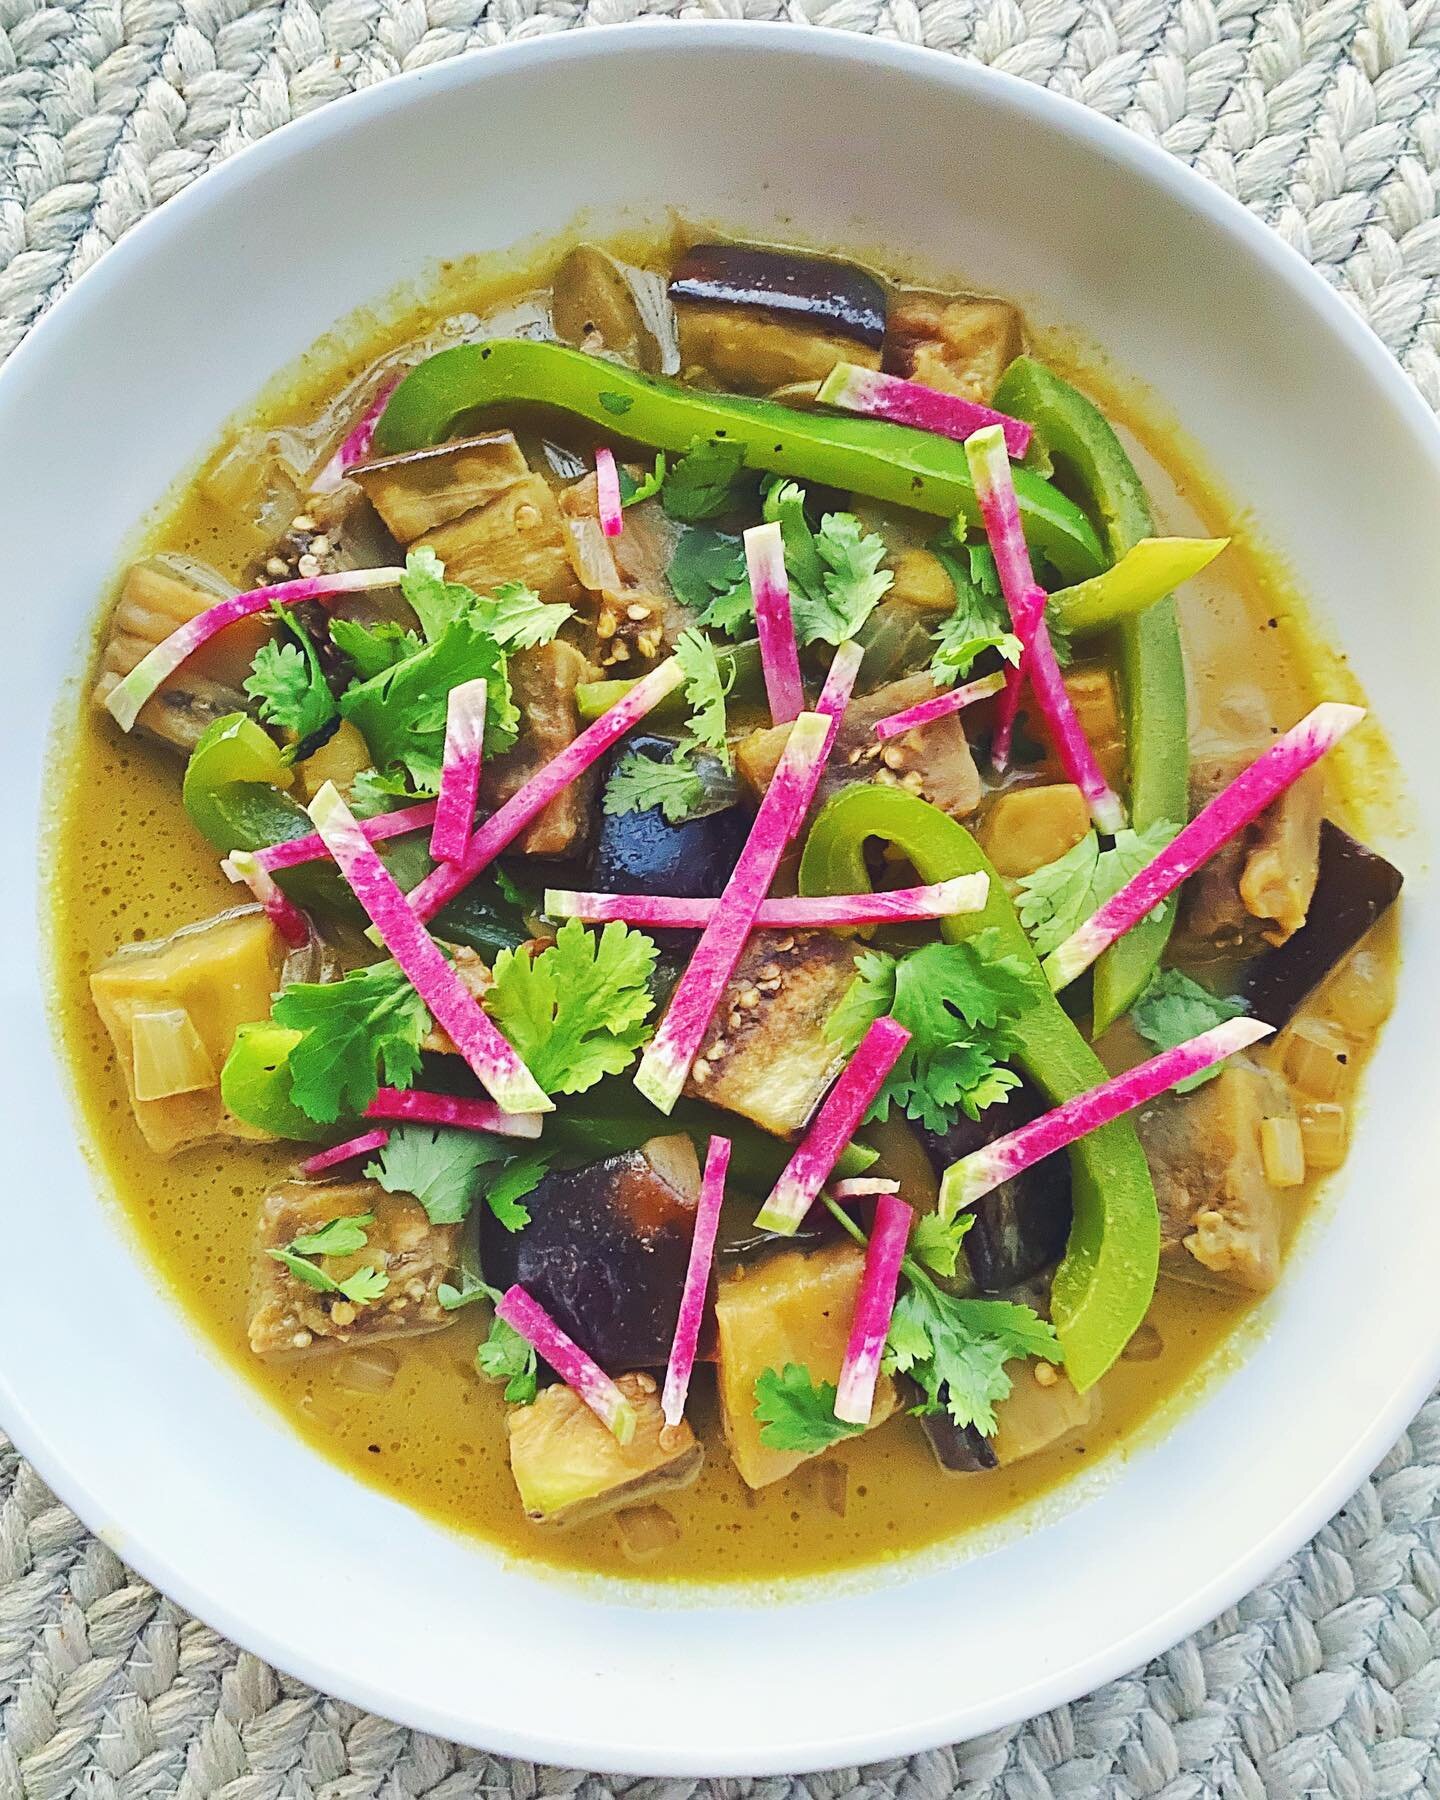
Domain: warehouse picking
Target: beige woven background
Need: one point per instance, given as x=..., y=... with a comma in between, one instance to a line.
x=1321, y=115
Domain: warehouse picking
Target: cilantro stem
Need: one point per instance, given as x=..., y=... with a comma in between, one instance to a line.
x=908, y=1264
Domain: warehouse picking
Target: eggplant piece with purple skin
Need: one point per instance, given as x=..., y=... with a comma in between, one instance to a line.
x=1021, y=1227
x=1354, y=887
x=606, y=1250
x=643, y=853
x=959, y=1449
x=845, y=300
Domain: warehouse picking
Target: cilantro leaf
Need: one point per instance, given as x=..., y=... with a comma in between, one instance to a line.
x=372, y=1020
x=616, y=404
x=707, y=572
x=520, y=1175
x=437, y=1164
x=955, y=1000
x=1174, y=1008
x=372, y=793
x=436, y=602
x=836, y=581
x=470, y=1290
x=796, y=1413
x=935, y=1243
x=705, y=691
x=578, y=1010
x=1061, y=895
x=517, y=618
x=709, y=479
x=373, y=649
x=979, y=622
x=506, y=1356
x=339, y=1237
x=956, y=1350
x=289, y=683
x=632, y=492
x=638, y=782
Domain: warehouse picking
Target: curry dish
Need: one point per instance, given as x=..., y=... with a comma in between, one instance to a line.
x=706, y=924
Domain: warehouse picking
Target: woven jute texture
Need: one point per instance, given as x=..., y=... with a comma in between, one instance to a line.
x=1325, y=119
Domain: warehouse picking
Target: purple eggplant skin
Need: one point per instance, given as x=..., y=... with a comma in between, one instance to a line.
x=1021, y=1227
x=1354, y=887
x=605, y=1254
x=643, y=853
x=815, y=289
x=959, y=1449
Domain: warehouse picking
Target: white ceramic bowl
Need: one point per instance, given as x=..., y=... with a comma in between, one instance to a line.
x=792, y=133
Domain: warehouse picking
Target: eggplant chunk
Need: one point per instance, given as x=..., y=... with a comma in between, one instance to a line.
x=934, y=762
x=401, y=1244
x=172, y=1007
x=568, y=1466
x=844, y=299
x=160, y=594
x=791, y=1308
x=606, y=1250
x=1041, y=1410
x=1020, y=1227
x=424, y=489
x=1259, y=885
x=544, y=681
x=959, y=346
x=766, y=1055
x=593, y=306
x=1029, y=827
x=517, y=536
x=1354, y=886
x=959, y=1449
x=643, y=853
x=1220, y=1215
x=635, y=613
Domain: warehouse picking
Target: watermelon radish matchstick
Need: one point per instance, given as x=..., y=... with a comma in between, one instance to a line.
x=668, y=912
x=459, y=770
x=905, y=402
x=493, y=1060
x=927, y=711
x=607, y=493
x=834, y=698
x=874, y=1308
x=774, y=622
x=311, y=847
x=155, y=668
x=579, y=1371
x=346, y=1152
x=697, y=1281
x=995, y=492
x=355, y=448
x=245, y=866
x=668, y=1056
x=418, y=1106
x=833, y=1126
x=1235, y=807
x=505, y=825
x=983, y=1170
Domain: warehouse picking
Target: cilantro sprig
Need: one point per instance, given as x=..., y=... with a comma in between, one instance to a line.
x=288, y=682
x=836, y=580
x=440, y=1166
x=708, y=480
x=344, y=1236
x=797, y=1413
x=1062, y=894
x=354, y=1030
x=1173, y=1009
x=638, y=782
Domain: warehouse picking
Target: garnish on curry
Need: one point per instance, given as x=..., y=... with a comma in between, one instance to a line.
x=730, y=960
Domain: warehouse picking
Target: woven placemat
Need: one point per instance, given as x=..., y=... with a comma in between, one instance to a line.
x=1323, y=116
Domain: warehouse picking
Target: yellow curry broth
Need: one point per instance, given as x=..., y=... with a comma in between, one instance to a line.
x=130, y=866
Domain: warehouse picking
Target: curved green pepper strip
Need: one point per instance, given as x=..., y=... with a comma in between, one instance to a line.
x=255, y=1083
x=1106, y=1279
x=1084, y=448
x=1144, y=575
x=865, y=456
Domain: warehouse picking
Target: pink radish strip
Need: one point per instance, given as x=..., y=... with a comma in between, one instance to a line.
x=874, y=1308
x=912, y=403
x=459, y=770
x=975, y=1175
x=421, y=1107
x=832, y=1127
x=355, y=448
x=311, y=847
x=666, y=912
x=863, y=1187
x=1230, y=811
x=774, y=625
x=667, y=1059
x=155, y=668
x=914, y=717
x=995, y=491
x=504, y=826
x=834, y=698
x=607, y=493
x=697, y=1281
x=245, y=866
x=580, y=1372
x=346, y=1152
x=499, y=1069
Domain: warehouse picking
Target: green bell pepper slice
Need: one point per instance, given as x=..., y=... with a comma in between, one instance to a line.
x=1086, y=452
x=255, y=1083
x=887, y=462
x=232, y=749
x=1144, y=575
x=1106, y=1279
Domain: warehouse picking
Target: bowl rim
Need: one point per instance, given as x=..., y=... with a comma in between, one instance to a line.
x=1184, y=188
